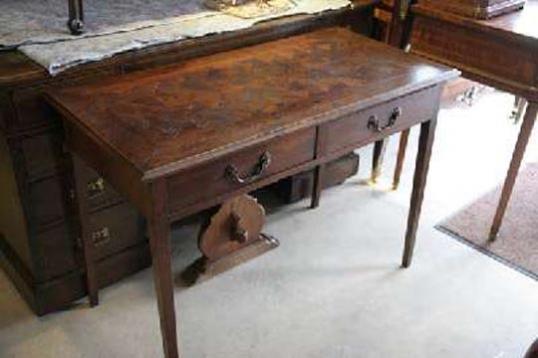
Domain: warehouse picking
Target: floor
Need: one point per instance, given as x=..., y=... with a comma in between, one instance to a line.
x=334, y=287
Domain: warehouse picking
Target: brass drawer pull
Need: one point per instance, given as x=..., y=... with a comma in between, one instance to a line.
x=373, y=122
x=232, y=173
x=95, y=187
x=100, y=237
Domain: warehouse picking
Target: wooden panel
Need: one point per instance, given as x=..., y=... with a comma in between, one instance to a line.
x=42, y=153
x=505, y=60
x=12, y=221
x=56, y=250
x=31, y=110
x=60, y=294
x=209, y=180
x=479, y=9
x=354, y=131
x=46, y=201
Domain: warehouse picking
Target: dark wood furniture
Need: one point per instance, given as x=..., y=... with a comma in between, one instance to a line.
x=182, y=139
x=40, y=249
x=501, y=52
x=478, y=9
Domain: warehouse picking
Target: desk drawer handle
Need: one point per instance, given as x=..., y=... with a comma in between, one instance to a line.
x=373, y=122
x=100, y=237
x=232, y=173
x=95, y=188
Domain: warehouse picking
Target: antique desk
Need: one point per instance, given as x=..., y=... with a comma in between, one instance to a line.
x=40, y=246
x=178, y=140
x=501, y=52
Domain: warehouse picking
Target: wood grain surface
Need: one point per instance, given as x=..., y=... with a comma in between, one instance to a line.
x=165, y=120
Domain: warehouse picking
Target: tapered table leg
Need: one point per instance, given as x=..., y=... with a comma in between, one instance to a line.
x=427, y=134
x=317, y=187
x=161, y=253
x=379, y=155
x=402, y=148
x=87, y=241
x=522, y=141
x=319, y=171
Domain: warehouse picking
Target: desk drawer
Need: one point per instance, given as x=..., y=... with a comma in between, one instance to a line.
x=115, y=229
x=92, y=188
x=382, y=120
x=225, y=174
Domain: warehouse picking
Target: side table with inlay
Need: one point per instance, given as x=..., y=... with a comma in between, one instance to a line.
x=182, y=139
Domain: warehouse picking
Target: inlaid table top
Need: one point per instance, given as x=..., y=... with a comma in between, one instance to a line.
x=164, y=120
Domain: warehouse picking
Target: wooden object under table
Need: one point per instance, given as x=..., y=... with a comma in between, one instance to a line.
x=501, y=52
x=182, y=139
x=40, y=246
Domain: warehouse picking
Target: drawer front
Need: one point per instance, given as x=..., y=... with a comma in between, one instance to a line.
x=94, y=189
x=115, y=229
x=46, y=201
x=57, y=252
x=42, y=154
x=223, y=175
x=379, y=121
x=112, y=231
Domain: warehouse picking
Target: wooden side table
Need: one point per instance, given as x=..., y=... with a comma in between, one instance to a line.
x=501, y=52
x=179, y=140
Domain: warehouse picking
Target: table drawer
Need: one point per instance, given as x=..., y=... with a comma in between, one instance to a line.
x=238, y=169
x=379, y=121
x=94, y=189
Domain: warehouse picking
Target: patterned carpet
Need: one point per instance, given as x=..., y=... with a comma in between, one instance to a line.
x=517, y=243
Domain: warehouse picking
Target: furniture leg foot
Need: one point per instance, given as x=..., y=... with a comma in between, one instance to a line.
x=517, y=157
x=427, y=135
x=402, y=148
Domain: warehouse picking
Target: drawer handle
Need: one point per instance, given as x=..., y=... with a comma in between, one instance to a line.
x=96, y=187
x=373, y=122
x=100, y=237
x=232, y=173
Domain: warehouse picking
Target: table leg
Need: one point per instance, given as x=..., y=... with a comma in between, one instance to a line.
x=87, y=241
x=402, y=148
x=427, y=134
x=161, y=254
x=522, y=141
x=379, y=154
x=319, y=171
x=318, y=185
